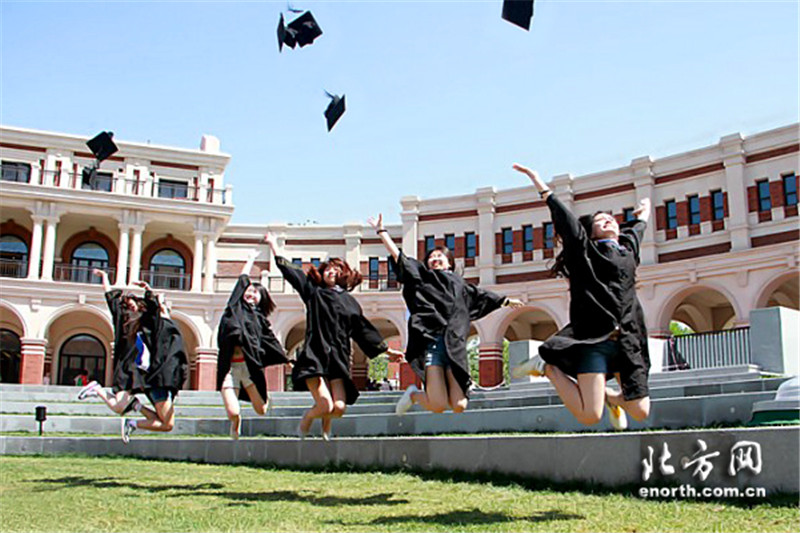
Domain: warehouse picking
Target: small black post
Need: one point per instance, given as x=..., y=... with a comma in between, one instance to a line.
x=41, y=416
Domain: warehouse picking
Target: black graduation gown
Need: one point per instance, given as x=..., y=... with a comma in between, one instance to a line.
x=441, y=303
x=602, y=287
x=245, y=326
x=127, y=377
x=333, y=317
x=168, y=361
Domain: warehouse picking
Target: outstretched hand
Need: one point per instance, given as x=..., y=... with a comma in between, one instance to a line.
x=525, y=170
x=514, y=303
x=642, y=211
x=376, y=224
x=395, y=356
x=142, y=284
x=98, y=272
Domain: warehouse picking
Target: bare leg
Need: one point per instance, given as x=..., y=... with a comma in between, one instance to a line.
x=230, y=399
x=339, y=395
x=259, y=405
x=639, y=409
x=458, y=400
x=164, y=419
x=323, y=403
x=584, y=399
x=434, y=398
x=118, y=402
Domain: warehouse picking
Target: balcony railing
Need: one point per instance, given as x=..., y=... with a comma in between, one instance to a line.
x=728, y=347
x=174, y=189
x=167, y=280
x=80, y=274
x=13, y=268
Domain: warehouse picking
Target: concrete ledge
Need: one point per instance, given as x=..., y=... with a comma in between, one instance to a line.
x=613, y=460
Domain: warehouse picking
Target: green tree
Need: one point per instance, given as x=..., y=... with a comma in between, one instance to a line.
x=378, y=369
x=679, y=328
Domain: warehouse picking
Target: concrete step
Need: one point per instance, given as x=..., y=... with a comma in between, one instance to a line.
x=605, y=459
x=670, y=413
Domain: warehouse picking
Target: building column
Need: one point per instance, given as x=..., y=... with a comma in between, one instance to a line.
x=35, y=253
x=734, y=160
x=32, y=364
x=490, y=361
x=136, y=252
x=206, y=369
x=276, y=377
x=410, y=218
x=122, y=257
x=486, y=252
x=197, y=263
x=211, y=264
x=642, y=169
x=49, y=253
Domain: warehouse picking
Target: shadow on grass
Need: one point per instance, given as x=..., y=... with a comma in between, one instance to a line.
x=110, y=482
x=467, y=517
x=244, y=498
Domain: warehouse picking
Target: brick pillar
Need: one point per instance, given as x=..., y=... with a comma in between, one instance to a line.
x=275, y=376
x=490, y=364
x=32, y=364
x=408, y=377
x=206, y=369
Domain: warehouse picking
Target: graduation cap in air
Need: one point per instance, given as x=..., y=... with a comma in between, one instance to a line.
x=335, y=109
x=301, y=31
x=518, y=12
x=102, y=145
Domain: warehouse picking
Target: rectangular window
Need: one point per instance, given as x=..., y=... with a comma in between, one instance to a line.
x=471, y=245
x=374, y=262
x=717, y=205
x=430, y=243
x=19, y=172
x=508, y=241
x=627, y=214
x=694, y=209
x=297, y=261
x=173, y=189
x=315, y=261
x=790, y=189
x=672, y=214
x=548, y=235
x=527, y=238
x=764, y=201
x=450, y=242
x=102, y=181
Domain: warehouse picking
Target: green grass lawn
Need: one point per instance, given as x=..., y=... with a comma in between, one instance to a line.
x=73, y=493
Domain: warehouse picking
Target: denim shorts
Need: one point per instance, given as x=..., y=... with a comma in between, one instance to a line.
x=596, y=358
x=159, y=394
x=436, y=354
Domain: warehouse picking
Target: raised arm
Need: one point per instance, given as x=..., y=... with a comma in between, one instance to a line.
x=642, y=211
x=248, y=265
x=291, y=273
x=104, y=277
x=541, y=187
x=383, y=233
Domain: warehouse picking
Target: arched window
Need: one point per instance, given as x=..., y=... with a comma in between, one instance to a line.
x=13, y=257
x=85, y=258
x=82, y=352
x=10, y=356
x=167, y=270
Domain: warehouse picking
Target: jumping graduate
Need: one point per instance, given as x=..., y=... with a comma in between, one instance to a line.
x=606, y=336
x=442, y=305
x=150, y=359
x=333, y=317
x=246, y=346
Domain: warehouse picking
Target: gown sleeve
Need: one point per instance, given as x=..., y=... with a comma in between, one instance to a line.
x=114, y=301
x=408, y=269
x=632, y=235
x=295, y=276
x=366, y=336
x=482, y=302
x=566, y=224
x=238, y=290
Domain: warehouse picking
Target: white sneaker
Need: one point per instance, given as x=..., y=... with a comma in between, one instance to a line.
x=617, y=417
x=88, y=391
x=128, y=427
x=236, y=426
x=406, y=401
x=532, y=367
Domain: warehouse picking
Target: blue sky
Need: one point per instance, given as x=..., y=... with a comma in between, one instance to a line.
x=442, y=96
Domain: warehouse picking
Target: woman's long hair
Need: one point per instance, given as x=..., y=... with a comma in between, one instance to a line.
x=559, y=268
x=348, y=279
x=132, y=320
x=446, y=251
x=266, y=305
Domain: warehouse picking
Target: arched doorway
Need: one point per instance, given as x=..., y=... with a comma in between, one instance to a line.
x=704, y=310
x=167, y=270
x=783, y=292
x=85, y=258
x=81, y=352
x=10, y=356
x=13, y=257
